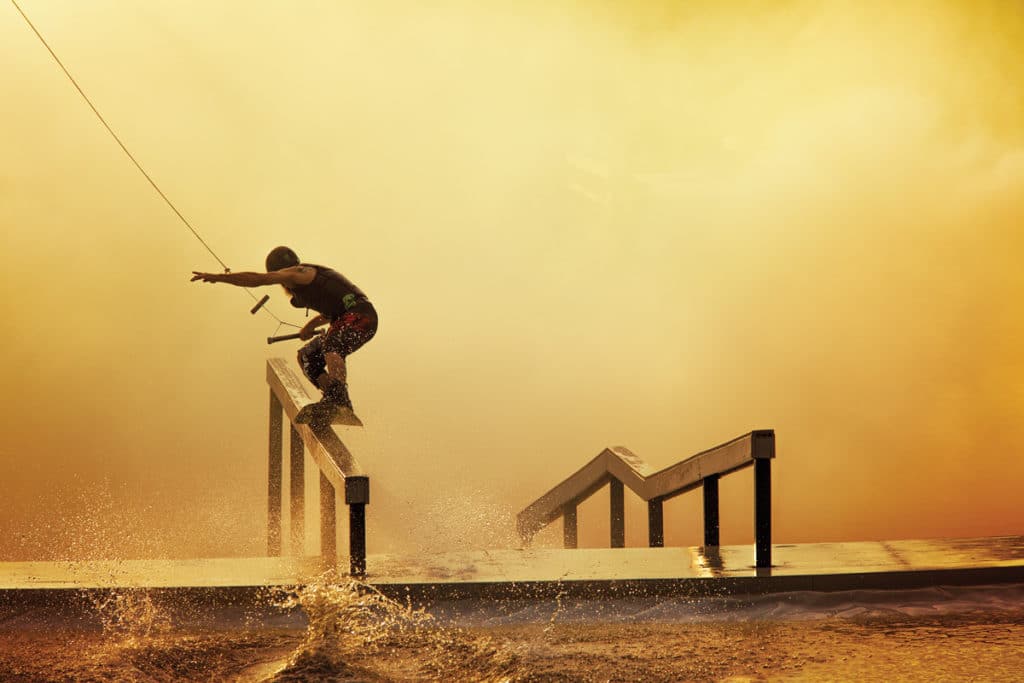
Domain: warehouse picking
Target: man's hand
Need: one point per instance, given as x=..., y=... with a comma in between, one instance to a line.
x=308, y=330
x=207, y=277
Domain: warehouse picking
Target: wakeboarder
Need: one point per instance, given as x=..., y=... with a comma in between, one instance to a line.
x=340, y=304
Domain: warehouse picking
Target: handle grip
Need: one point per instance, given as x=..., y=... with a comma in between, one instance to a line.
x=283, y=337
x=259, y=304
x=286, y=337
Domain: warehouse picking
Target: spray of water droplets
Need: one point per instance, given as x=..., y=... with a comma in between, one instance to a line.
x=349, y=620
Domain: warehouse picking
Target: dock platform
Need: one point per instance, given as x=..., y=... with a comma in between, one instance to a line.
x=526, y=573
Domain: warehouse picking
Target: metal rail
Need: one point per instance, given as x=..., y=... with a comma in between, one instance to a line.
x=618, y=466
x=338, y=471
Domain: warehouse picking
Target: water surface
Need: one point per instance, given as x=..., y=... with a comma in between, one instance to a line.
x=338, y=632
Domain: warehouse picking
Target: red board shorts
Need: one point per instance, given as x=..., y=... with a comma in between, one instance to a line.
x=353, y=329
x=345, y=335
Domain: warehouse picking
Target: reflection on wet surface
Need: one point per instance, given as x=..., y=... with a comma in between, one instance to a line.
x=708, y=560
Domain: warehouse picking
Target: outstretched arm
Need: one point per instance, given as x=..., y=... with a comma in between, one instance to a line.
x=242, y=279
x=296, y=275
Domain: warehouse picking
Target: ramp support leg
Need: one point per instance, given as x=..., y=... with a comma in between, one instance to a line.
x=274, y=478
x=569, y=538
x=618, y=514
x=655, y=523
x=297, y=490
x=763, y=512
x=357, y=496
x=328, y=523
x=357, y=539
x=711, y=524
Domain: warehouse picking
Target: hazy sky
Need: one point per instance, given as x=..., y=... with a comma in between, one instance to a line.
x=583, y=224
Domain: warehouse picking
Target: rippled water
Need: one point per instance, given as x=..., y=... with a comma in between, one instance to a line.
x=341, y=631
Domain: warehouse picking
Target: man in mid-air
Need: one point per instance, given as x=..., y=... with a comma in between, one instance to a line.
x=351, y=317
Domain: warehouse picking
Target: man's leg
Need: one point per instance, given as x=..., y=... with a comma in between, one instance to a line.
x=335, y=380
x=324, y=370
x=342, y=338
x=336, y=368
x=332, y=382
x=311, y=360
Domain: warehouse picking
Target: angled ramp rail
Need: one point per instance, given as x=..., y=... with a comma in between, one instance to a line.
x=618, y=466
x=338, y=471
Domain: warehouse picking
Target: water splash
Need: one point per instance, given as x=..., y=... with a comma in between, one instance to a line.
x=130, y=615
x=355, y=628
x=558, y=609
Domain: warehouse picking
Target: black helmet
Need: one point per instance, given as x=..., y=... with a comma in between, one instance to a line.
x=281, y=257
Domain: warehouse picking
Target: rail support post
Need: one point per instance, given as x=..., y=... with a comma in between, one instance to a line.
x=274, y=465
x=297, y=494
x=328, y=523
x=763, y=512
x=569, y=526
x=711, y=524
x=357, y=496
x=618, y=514
x=655, y=523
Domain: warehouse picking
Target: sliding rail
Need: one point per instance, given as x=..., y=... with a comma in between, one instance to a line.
x=617, y=467
x=339, y=471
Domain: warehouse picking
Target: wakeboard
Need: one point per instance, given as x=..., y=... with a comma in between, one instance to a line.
x=314, y=414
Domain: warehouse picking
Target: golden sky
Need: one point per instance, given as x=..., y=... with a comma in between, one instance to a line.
x=583, y=225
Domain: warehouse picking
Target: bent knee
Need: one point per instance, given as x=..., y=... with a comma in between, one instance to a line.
x=335, y=364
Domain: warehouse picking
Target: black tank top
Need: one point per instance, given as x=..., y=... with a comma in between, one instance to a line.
x=330, y=293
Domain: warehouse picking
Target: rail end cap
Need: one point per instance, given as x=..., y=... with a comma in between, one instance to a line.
x=762, y=443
